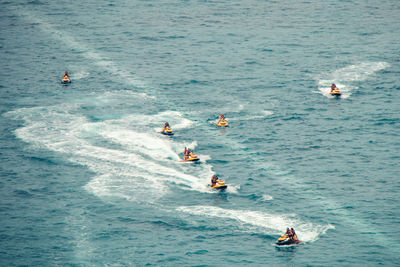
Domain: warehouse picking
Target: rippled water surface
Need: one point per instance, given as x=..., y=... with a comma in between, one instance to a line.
x=87, y=180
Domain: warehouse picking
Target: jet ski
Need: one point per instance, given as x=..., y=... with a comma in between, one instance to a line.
x=220, y=185
x=65, y=80
x=284, y=240
x=167, y=131
x=222, y=123
x=192, y=157
x=335, y=92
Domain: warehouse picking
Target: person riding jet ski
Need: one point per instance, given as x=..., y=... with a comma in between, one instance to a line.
x=167, y=129
x=222, y=121
x=66, y=78
x=214, y=179
x=188, y=155
x=289, y=238
x=292, y=235
x=334, y=90
x=217, y=183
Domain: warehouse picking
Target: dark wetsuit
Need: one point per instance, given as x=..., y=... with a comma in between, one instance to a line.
x=214, y=180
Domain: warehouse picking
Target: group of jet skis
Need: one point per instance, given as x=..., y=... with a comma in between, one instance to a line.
x=222, y=123
x=290, y=237
x=190, y=156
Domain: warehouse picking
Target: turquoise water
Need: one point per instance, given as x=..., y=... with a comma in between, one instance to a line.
x=86, y=180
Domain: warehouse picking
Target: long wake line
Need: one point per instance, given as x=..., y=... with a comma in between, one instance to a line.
x=96, y=57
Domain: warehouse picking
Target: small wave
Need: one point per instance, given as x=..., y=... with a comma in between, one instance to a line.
x=80, y=75
x=174, y=118
x=35, y=2
x=205, y=157
x=192, y=145
x=233, y=189
x=261, y=222
x=263, y=114
x=266, y=197
x=23, y=193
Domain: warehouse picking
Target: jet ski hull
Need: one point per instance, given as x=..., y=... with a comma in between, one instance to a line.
x=284, y=240
x=167, y=131
x=191, y=160
x=223, y=124
x=336, y=92
x=222, y=187
x=65, y=81
x=288, y=242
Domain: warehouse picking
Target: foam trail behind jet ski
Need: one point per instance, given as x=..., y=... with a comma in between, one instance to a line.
x=266, y=197
x=253, y=116
x=345, y=76
x=80, y=75
x=349, y=218
x=260, y=222
x=126, y=163
x=174, y=118
x=96, y=57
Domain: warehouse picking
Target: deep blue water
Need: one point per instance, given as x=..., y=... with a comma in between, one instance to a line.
x=87, y=180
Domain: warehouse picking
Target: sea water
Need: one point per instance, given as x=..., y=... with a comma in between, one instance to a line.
x=87, y=180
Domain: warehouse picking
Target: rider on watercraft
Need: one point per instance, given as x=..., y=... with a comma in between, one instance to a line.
x=214, y=180
x=292, y=235
x=166, y=126
x=217, y=183
x=289, y=238
x=186, y=153
x=333, y=87
x=66, y=74
x=222, y=121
